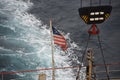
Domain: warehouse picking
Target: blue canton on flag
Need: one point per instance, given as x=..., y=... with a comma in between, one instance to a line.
x=59, y=39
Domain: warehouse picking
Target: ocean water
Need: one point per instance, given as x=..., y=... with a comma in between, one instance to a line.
x=25, y=44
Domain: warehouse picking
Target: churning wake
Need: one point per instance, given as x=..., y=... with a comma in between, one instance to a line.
x=25, y=44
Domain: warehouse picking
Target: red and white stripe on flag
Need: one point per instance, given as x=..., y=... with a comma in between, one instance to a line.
x=59, y=39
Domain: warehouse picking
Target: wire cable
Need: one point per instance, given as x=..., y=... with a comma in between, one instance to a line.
x=100, y=2
x=103, y=57
x=109, y=2
x=77, y=77
x=90, y=2
x=85, y=48
x=81, y=3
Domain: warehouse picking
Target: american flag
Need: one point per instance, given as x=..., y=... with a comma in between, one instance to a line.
x=59, y=39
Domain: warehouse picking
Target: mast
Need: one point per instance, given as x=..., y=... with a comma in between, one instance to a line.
x=90, y=62
x=52, y=49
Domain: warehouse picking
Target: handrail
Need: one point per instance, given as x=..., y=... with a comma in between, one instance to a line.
x=109, y=70
x=41, y=69
x=117, y=63
x=113, y=78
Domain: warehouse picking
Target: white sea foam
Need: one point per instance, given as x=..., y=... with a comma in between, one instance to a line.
x=34, y=34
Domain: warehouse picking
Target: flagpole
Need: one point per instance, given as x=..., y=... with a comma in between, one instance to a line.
x=52, y=49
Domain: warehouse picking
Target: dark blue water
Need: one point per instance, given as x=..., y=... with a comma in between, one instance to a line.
x=25, y=44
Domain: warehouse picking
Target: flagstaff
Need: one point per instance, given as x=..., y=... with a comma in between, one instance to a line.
x=52, y=50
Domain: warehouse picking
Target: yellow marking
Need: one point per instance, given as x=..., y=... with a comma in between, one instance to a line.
x=107, y=15
x=85, y=18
